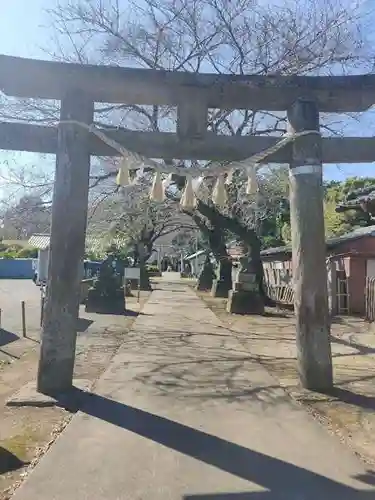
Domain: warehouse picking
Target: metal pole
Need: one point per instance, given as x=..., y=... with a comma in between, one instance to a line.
x=42, y=299
x=23, y=313
x=196, y=256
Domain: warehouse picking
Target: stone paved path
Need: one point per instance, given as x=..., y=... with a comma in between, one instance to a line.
x=183, y=412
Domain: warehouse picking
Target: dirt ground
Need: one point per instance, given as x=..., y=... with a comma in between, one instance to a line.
x=350, y=410
x=26, y=433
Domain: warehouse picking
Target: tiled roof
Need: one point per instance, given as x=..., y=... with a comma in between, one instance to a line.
x=93, y=243
x=331, y=242
x=195, y=255
x=39, y=241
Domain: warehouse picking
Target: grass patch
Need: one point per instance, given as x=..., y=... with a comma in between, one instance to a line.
x=20, y=444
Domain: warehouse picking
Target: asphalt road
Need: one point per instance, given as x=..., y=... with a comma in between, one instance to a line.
x=12, y=293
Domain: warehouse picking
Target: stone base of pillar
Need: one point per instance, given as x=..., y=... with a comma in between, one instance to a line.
x=85, y=286
x=204, y=284
x=128, y=290
x=28, y=395
x=245, y=302
x=134, y=284
x=114, y=304
x=220, y=289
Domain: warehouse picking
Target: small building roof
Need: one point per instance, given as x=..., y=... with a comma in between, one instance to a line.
x=195, y=255
x=234, y=247
x=93, y=243
x=331, y=242
x=39, y=241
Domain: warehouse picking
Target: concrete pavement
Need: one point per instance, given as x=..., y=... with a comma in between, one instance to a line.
x=184, y=412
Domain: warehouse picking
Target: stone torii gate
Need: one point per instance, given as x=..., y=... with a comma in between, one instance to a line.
x=78, y=87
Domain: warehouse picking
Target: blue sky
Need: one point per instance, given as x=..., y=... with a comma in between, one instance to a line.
x=23, y=32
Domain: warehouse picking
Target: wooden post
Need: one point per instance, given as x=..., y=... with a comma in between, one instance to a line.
x=69, y=214
x=23, y=316
x=309, y=250
x=192, y=115
x=332, y=288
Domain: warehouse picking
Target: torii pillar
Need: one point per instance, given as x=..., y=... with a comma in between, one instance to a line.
x=309, y=250
x=67, y=245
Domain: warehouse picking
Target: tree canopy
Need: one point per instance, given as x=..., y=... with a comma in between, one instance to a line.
x=337, y=222
x=234, y=37
x=336, y=193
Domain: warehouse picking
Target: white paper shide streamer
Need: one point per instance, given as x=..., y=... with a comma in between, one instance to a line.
x=252, y=182
x=167, y=181
x=139, y=175
x=122, y=178
x=188, y=200
x=219, y=193
x=157, y=191
x=132, y=161
x=229, y=178
x=137, y=159
x=197, y=183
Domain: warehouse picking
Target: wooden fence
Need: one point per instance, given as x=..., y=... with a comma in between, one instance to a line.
x=370, y=299
x=279, y=287
x=278, y=284
x=281, y=294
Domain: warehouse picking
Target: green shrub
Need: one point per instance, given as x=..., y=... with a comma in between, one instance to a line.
x=14, y=248
x=152, y=269
x=27, y=253
x=95, y=257
x=8, y=255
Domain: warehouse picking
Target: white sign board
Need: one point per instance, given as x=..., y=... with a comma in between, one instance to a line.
x=132, y=273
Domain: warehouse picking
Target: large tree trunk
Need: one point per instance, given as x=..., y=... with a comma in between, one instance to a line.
x=218, y=247
x=247, y=235
x=144, y=282
x=216, y=239
x=206, y=277
x=140, y=260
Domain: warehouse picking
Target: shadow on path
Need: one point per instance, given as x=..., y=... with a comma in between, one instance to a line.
x=7, y=337
x=362, y=350
x=352, y=398
x=348, y=397
x=282, y=479
x=83, y=324
x=9, y=462
x=124, y=313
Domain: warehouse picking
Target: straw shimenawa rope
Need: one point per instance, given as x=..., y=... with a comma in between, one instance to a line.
x=215, y=168
x=134, y=161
